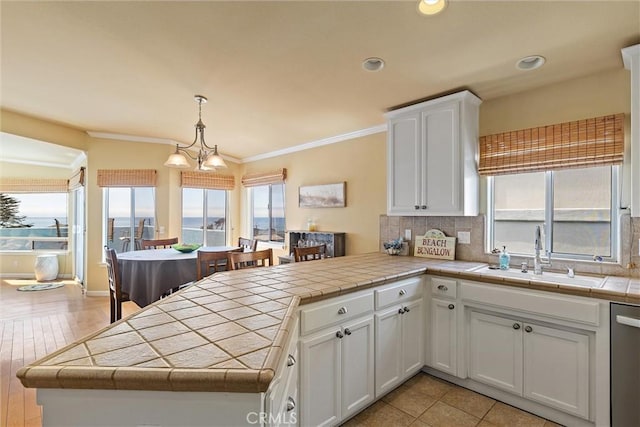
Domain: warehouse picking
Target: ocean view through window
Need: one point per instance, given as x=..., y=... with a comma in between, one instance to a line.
x=204, y=214
x=267, y=209
x=42, y=222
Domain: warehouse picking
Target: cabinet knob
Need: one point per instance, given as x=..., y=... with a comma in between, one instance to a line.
x=406, y=309
x=516, y=326
x=291, y=360
x=291, y=404
x=400, y=310
x=424, y=206
x=528, y=328
x=339, y=334
x=443, y=288
x=451, y=306
x=347, y=331
x=402, y=292
x=416, y=207
x=342, y=310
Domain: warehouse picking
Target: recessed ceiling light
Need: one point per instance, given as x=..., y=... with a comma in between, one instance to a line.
x=431, y=7
x=530, y=62
x=373, y=64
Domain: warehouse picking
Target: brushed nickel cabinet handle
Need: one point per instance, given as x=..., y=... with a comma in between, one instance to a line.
x=528, y=329
x=451, y=306
x=402, y=292
x=516, y=326
x=291, y=404
x=342, y=310
x=443, y=288
x=339, y=334
x=291, y=360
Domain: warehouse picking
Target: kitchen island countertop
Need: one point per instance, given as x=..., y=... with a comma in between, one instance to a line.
x=226, y=332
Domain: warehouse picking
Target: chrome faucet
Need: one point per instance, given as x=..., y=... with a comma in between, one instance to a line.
x=538, y=264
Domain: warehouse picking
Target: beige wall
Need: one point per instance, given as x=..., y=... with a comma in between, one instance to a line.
x=361, y=163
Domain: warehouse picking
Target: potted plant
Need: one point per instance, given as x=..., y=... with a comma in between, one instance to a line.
x=393, y=247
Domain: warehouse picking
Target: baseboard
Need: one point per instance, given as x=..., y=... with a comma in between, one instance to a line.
x=30, y=276
x=97, y=293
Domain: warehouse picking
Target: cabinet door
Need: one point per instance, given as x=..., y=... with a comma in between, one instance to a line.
x=320, y=378
x=357, y=366
x=556, y=368
x=442, y=191
x=495, y=351
x=404, y=165
x=443, y=335
x=412, y=337
x=388, y=349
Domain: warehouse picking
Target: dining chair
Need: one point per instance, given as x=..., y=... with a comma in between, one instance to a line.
x=116, y=295
x=249, y=245
x=240, y=260
x=158, y=243
x=110, y=229
x=309, y=253
x=212, y=262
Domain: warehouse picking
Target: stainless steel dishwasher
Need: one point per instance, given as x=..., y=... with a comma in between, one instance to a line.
x=625, y=365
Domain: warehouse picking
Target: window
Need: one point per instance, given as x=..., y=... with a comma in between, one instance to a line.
x=204, y=209
x=129, y=216
x=267, y=212
x=31, y=221
x=577, y=206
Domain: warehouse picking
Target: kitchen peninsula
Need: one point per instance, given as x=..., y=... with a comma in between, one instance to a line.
x=216, y=350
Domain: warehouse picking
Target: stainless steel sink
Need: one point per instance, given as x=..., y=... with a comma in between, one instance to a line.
x=546, y=276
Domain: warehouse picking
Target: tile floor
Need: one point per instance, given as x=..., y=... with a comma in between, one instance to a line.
x=425, y=401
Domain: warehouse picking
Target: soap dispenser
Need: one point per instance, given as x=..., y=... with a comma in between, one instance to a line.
x=504, y=259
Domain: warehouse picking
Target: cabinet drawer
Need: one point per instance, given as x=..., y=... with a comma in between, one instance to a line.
x=329, y=313
x=399, y=291
x=443, y=287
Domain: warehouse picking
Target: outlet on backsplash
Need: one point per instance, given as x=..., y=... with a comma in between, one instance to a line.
x=464, y=237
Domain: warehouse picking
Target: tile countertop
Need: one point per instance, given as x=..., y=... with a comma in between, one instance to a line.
x=226, y=332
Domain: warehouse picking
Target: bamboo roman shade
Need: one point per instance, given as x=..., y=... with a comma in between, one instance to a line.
x=77, y=180
x=126, y=178
x=30, y=185
x=583, y=143
x=210, y=181
x=264, y=178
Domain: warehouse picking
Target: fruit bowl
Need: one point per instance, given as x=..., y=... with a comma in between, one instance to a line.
x=185, y=247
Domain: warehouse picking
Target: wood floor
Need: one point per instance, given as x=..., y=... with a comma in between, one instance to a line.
x=33, y=324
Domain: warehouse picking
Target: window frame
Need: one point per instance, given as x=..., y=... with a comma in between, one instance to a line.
x=132, y=225
x=63, y=240
x=275, y=243
x=614, y=231
x=205, y=206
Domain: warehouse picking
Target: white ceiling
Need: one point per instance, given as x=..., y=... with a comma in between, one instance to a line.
x=281, y=74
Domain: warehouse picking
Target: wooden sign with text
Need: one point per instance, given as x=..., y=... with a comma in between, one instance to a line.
x=434, y=244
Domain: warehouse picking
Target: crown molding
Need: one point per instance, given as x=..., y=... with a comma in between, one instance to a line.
x=319, y=143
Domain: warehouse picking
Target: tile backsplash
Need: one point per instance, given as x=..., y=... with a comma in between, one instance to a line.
x=392, y=227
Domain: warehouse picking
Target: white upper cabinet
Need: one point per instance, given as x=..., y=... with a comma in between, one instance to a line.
x=431, y=157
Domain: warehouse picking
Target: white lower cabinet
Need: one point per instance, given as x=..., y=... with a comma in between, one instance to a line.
x=399, y=344
x=337, y=372
x=544, y=364
x=444, y=331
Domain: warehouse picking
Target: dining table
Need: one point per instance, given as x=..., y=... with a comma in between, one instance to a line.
x=147, y=275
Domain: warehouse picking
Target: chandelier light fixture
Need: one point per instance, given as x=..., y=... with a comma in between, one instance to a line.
x=207, y=158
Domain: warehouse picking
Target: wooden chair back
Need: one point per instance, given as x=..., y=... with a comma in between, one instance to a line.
x=212, y=262
x=249, y=245
x=158, y=243
x=116, y=295
x=309, y=253
x=240, y=260
x=110, y=229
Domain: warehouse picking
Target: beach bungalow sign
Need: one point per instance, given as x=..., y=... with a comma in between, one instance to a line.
x=434, y=244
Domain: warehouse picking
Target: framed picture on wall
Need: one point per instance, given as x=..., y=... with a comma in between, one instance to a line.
x=323, y=196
